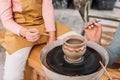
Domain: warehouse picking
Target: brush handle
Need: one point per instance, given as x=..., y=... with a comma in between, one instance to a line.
x=110, y=78
x=45, y=34
x=97, y=21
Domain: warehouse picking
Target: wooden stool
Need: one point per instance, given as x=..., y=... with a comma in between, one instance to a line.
x=34, y=70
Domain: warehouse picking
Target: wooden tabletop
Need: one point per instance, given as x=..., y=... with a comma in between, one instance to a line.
x=115, y=73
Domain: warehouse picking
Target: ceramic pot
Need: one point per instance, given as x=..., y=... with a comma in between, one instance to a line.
x=74, y=47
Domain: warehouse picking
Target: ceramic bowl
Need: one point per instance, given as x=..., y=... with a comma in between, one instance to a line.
x=74, y=47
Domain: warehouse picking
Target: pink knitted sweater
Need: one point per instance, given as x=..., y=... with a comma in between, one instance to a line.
x=6, y=10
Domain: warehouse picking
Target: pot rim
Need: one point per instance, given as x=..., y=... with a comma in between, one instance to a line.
x=75, y=37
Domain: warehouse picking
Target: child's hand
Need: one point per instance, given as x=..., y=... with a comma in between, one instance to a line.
x=52, y=37
x=31, y=35
x=93, y=31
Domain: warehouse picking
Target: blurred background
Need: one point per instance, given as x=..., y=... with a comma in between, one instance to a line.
x=76, y=13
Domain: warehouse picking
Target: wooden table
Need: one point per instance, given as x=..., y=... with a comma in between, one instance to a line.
x=113, y=72
x=34, y=70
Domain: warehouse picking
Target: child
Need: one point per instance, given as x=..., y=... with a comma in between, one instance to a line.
x=26, y=22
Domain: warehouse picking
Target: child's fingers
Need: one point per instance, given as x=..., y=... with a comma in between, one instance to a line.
x=33, y=30
x=32, y=39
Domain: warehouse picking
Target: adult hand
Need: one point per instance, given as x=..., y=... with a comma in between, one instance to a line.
x=93, y=31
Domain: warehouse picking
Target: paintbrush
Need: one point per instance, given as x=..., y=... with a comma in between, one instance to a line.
x=41, y=33
x=110, y=78
x=45, y=34
x=89, y=25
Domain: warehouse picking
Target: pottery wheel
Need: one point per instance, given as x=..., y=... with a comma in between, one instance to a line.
x=90, y=64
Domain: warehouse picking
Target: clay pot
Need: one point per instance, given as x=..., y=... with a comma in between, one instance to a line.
x=74, y=47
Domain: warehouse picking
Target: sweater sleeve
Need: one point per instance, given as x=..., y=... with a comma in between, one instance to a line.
x=7, y=18
x=114, y=48
x=48, y=15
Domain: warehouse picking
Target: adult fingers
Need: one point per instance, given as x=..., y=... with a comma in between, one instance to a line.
x=98, y=26
x=90, y=24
